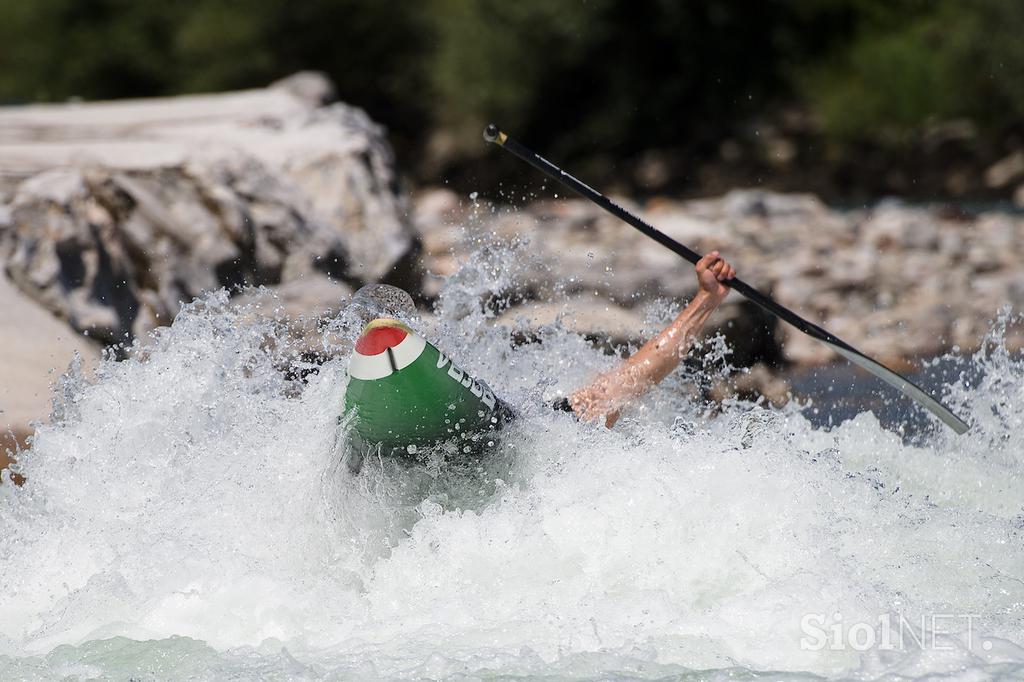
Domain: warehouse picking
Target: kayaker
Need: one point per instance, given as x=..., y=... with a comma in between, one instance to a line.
x=406, y=395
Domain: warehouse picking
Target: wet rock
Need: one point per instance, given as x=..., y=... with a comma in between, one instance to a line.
x=314, y=296
x=436, y=208
x=797, y=291
x=892, y=227
x=994, y=241
x=589, y=315
x=310, y=86
x=1006, y=170
x=902, y=281
x=849, y=269
x=800, y=349
x=300, y=305
x=752, y=384
x=121, y=211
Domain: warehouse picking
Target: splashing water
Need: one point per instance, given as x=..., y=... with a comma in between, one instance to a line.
x=188, y=515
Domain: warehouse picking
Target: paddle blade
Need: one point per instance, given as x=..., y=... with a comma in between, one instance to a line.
x=903, y=385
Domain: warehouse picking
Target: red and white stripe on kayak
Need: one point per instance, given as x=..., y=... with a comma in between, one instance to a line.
x=384, y=347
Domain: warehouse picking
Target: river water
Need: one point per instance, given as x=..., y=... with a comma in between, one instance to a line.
x=189, y=516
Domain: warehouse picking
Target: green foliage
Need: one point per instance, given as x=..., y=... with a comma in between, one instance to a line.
x=492, y=55
x=913, y=63
x=887, y=84
x=218, y=46
x=56, y=49
x=611, y=73
x=570, y=75
x=990, y=56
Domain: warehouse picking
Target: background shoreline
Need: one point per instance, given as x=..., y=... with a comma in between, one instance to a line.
x=102, y=239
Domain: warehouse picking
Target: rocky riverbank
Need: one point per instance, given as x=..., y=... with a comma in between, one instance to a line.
x=114, y=214
x=901, y=282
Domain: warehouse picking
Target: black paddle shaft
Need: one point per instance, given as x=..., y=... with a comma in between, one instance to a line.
x=580, y=187
x=493, y=134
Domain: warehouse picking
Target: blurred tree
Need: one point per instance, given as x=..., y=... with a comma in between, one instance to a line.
x=611, y=73
x=56, y=49
x=911, y=62
x=989, y=47
x=219, y=45
x=586, y=80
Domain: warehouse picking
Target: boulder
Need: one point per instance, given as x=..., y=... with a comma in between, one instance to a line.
x=300, y=306
x=893, y=226
x=756, y=382
x=1006, y=170
x=589, y=315
x=117, y=212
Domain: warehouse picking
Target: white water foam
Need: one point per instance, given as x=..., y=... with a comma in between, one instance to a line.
x=189, y=516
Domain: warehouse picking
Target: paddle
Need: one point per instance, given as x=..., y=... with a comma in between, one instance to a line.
x=493, y=134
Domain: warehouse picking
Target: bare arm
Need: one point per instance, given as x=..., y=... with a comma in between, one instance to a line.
x=613, y=390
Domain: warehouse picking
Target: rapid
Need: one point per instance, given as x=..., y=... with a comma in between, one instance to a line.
x=188, y=515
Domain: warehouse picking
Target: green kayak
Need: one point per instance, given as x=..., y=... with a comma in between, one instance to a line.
x=405, y=396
